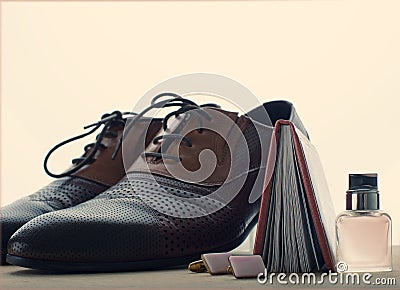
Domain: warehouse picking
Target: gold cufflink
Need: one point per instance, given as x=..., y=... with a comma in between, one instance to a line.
x=197, y=267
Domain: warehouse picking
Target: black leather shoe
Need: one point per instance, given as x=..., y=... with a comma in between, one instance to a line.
x=197, y=189
x=90, y=175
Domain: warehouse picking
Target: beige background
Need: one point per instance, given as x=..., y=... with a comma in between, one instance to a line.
x=64, y=64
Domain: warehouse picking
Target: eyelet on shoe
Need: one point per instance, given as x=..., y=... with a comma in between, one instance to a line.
x=200, y=130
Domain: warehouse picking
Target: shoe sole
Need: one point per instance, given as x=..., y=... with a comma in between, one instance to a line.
x=3, y=259
x=123, y=266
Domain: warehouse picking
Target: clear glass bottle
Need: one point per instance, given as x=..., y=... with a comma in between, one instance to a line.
x=363, y=232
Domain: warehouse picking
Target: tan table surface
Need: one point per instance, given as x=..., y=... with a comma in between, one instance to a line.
x=13, y=277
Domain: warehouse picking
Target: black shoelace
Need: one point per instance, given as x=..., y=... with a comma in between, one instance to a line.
x=109, y=121
x=185, y=105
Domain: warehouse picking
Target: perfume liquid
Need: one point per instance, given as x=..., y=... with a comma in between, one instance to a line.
x=363, y=231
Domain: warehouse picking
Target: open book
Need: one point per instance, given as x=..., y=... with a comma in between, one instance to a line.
x=295, y=231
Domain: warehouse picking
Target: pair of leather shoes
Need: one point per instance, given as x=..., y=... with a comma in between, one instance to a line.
x=195, y=188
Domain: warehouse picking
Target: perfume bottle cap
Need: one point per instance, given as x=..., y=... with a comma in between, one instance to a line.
x=363, y=181
x=363, y=192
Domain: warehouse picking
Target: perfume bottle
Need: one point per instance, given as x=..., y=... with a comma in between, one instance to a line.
x=363, y=231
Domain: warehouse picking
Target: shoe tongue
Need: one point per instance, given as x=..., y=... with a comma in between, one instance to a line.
x=216, y=125
x=178, y=124
x=218, y=120
x=107, y=171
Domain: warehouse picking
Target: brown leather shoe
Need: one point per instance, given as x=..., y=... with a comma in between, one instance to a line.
x=196, y=190
x=90, y=174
